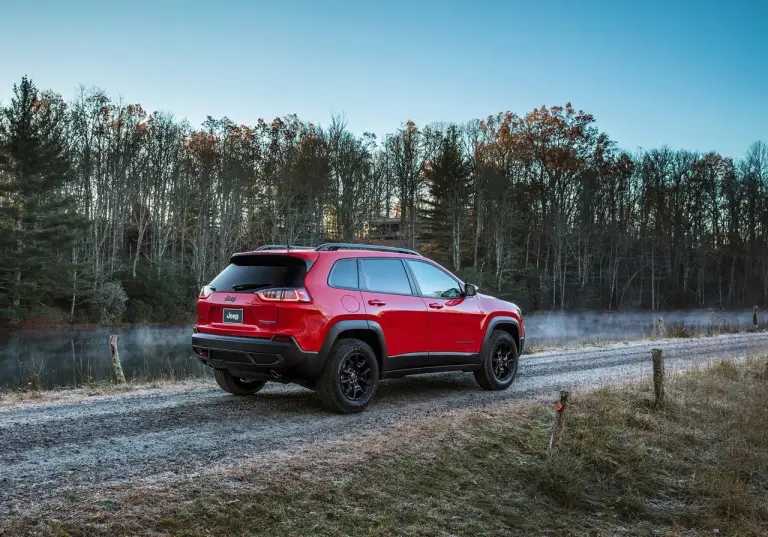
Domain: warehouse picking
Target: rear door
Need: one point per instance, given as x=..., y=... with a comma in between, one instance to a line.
x=454, y=322
x=390, y=300
x=234, y=304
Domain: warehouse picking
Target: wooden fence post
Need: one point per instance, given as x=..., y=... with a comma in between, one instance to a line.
x=754, y=317
x=557, y=428
x=116, y=365
x=658, y=376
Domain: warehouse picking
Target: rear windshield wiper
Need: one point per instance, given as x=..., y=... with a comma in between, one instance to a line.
x=250, y=286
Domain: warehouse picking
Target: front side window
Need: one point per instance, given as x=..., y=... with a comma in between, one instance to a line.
x=384, y=276
x=433, y=282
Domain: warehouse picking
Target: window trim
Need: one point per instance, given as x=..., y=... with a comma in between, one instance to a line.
x=418, y=287
x=363, y=287
x=357, y=267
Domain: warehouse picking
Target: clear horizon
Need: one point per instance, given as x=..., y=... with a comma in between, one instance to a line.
x=685, y=76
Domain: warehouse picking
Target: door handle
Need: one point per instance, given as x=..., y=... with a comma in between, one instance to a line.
x=377, y=303
x=436, y=306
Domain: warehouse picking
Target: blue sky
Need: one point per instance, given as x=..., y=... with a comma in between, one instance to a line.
x=682, y=73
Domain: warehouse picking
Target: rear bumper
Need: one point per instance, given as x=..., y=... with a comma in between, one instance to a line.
x=256, y=357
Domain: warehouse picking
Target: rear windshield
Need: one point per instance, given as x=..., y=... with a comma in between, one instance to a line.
x=254, y=272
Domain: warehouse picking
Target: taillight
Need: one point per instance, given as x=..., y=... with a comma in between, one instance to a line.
x=206, y=291
x=287, y=294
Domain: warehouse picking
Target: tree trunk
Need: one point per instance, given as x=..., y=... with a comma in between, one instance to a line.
x=116, y=365
x=16, y=294
x=653, y=281
x=478, y=227
x=138, y=249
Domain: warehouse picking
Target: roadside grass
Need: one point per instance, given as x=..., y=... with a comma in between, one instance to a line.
x=28, y=395
x=534, y=348
x=698, y=467
x=718, y=326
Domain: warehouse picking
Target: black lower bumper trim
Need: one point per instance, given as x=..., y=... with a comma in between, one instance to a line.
x=247, y=355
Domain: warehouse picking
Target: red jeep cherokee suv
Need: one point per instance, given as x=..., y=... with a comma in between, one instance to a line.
x=340, y=317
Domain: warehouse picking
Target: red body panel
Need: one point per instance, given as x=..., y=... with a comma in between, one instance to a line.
x=455, y=325
x=411, y=325
x=404, y=321
x=494, y=307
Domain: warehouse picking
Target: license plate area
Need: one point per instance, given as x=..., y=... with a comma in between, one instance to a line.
x=232, y=316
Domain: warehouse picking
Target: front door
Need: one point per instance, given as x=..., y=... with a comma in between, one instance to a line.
x=454, y=322
x=390, y=301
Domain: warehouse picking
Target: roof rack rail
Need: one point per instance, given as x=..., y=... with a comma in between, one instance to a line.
x=284, y=247
x=332, y=246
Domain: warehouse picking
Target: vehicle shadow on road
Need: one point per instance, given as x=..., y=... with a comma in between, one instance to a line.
x=401, y=391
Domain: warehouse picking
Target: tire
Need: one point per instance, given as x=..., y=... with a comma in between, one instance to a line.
x=351, y=369
x=499, y=366
x=235, y=385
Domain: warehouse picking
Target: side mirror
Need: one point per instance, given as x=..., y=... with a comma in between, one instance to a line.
x=470, y=289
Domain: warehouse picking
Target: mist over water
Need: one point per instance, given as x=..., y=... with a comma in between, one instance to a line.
x=549, y=328
x=69, y=357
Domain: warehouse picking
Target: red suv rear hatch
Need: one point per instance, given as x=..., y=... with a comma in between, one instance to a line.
x=245, y=297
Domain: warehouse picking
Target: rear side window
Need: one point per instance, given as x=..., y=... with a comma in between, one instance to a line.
x=254, y=272
x=344, y=274
x=384, y=276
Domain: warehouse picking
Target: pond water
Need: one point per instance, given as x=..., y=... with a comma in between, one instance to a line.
x=69, y=357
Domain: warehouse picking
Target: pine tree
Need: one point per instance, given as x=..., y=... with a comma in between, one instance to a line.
x=448, y=180
x=38, y=222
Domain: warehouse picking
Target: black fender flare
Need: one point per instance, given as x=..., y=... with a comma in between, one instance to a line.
x=503, y=320
x=352, y=324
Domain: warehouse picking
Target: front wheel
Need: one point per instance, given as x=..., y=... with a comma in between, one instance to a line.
x=499, y=365
x=236, y=385
x=350, y=377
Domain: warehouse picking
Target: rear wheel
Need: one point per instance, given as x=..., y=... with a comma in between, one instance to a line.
x=236, y=385
x=499, y=365
x=350, y=377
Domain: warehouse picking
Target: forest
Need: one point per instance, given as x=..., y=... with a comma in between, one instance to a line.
x=110, y=214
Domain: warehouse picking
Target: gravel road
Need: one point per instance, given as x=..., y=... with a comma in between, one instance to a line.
x=45, y=449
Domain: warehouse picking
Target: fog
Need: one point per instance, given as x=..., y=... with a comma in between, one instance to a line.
x=545, y=328
x=66, y=357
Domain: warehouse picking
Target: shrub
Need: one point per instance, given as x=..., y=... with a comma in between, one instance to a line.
x=678, y=330
x=109, y=300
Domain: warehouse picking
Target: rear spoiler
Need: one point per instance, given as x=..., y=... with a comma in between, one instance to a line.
x=272, y=257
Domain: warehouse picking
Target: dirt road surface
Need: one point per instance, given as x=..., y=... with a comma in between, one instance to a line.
x=47, y=450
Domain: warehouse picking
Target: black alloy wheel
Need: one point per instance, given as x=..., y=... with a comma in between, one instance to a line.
x=504, y=361
x=236, y=385
x=498, y=366
x=350, y=377
x=355, y=376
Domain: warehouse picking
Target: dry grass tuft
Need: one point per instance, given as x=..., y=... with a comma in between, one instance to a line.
x=679, y=330
x=699, y=467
